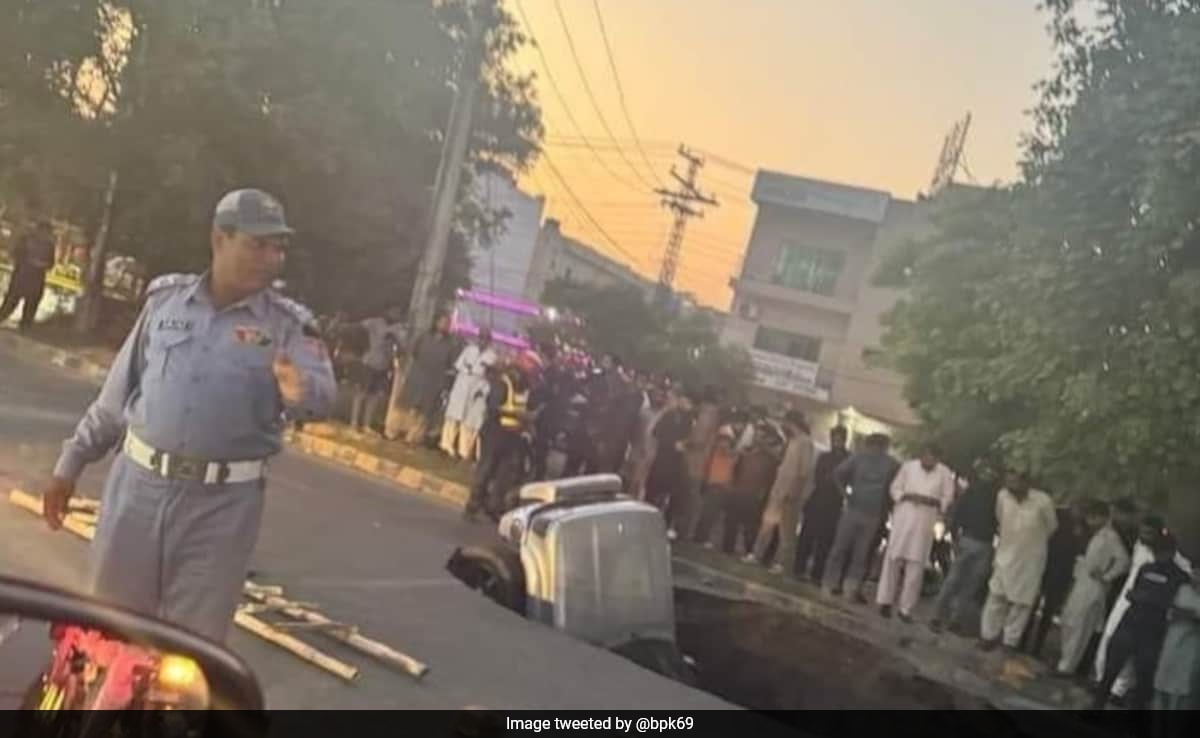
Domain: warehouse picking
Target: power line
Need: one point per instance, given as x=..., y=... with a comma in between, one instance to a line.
x=729, y=163
x=591, y=95
x=571, y=193
x=717, y=159
x=562, y=100
x=612, y=63
x=657, y=151
x=651, y=143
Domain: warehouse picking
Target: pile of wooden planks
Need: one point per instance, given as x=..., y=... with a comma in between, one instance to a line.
x=286, y=617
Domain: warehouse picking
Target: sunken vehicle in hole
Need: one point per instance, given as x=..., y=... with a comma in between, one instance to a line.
x=580, y=556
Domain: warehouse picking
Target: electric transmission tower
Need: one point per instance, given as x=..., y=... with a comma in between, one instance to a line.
x=684, y=202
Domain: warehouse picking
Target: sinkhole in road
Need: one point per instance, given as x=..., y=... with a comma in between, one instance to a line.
x=764, y=658
x=769, y=659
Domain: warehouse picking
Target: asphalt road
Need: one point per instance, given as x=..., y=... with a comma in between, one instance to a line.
x=368, y=554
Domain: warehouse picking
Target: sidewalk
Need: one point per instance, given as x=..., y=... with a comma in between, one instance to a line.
x=1011, y=681
x=91, y=363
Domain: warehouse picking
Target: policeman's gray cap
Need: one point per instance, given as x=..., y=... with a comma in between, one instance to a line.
x=253, y=212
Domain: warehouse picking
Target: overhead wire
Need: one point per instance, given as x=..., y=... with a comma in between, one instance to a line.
x=591, y=95
x=571, y=193
x=612, y=63
x=562, y=98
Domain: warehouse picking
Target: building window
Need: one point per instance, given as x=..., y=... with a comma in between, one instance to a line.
x=809, y=269
x=795, y=345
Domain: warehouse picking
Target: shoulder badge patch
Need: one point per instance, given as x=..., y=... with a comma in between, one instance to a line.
x=168, y=281
x=302, y=315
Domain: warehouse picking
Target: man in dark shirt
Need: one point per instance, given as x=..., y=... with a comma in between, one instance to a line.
x=1140, y=635
x=868, y=474
x=502, y=440
x=1066, y=544
x=545, y=399
x=668, y=474
x=973, y=525
x=33, y=256
x=822, y=511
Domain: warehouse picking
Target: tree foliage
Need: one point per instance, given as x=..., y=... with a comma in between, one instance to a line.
x=1052, y=324
x=620, y=320
x=339, y=108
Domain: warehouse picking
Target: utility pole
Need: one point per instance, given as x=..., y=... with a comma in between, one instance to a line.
x=423, y=304
x=681, y=202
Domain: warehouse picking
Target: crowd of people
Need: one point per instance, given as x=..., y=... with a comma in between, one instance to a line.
x=1005, y=562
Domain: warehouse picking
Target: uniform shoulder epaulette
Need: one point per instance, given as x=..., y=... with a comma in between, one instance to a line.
x=303, y=315
x=169, y=281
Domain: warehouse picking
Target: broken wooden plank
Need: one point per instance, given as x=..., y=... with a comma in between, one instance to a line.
x=295, y=646
x=355, y=640
x=264, y=589
x=85, y=504
x=305, y=625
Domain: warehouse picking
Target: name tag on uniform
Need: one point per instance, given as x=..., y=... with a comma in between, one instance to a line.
x=174, y=324
x=251, y=336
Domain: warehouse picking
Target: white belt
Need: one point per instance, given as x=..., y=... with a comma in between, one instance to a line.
x=173, y=466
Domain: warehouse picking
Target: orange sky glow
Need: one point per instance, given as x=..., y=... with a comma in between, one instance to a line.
x=856, y=91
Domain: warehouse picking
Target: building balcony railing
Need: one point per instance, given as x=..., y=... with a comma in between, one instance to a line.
x=763, y=288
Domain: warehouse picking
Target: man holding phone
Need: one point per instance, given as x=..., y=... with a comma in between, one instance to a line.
x=197, y=398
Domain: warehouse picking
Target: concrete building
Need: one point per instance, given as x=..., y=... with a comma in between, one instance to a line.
x=559, y=256
x=805, y=307
x=504, y=266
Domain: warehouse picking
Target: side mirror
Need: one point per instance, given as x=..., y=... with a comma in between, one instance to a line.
x=57, y=647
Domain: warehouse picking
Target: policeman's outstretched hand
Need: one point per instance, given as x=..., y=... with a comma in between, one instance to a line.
x=289, y=379
x=55, y=499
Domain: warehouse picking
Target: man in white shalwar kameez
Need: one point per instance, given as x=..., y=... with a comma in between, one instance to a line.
x=922, y=491
x=1027, y=519
x=1104, y=562
x=458, y=437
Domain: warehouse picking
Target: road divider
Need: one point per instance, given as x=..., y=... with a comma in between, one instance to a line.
x=408, y=477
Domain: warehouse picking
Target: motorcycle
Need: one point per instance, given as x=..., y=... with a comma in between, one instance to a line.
x=115, y=672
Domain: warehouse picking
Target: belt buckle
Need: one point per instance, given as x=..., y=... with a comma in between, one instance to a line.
x=187, y=470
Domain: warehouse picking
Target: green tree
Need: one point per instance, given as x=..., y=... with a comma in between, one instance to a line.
x=339, y=108
x=1053, y=324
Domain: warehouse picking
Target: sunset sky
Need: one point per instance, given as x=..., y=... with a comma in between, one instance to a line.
x=856, y=91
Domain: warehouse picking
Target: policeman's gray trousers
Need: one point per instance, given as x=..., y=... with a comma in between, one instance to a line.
x=173, y=549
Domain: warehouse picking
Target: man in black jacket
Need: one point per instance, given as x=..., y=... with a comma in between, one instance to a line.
x=1140, y=635
x=973, y=525
x=822, y=512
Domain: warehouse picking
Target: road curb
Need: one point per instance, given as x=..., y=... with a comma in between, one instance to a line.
x=92, y=371
x=409, y=477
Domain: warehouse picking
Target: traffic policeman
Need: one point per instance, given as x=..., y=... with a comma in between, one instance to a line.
x=197, y=399
x=503, y=440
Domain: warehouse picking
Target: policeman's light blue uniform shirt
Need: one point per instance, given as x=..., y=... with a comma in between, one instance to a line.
x=196, y=381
